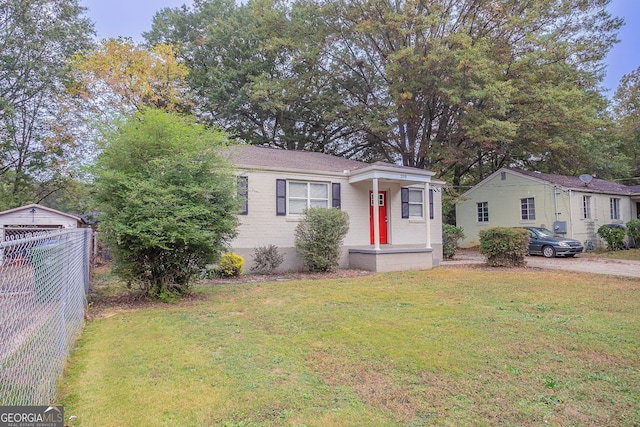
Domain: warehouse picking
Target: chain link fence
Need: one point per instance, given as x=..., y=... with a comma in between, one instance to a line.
x=44, y=278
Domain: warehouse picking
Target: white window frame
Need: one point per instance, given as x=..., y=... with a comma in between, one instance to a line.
x=614, y=207
x=530, y=204
x=414, y=203
x=308, y=199
x=586, y=207
x=485, y=212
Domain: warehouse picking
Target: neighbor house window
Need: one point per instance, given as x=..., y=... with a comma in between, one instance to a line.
x=614, y=204
x=586, y=207
x=527, y=209
x=307, y=195
x=483, y=211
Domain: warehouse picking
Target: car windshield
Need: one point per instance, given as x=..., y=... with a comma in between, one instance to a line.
x=544, y=232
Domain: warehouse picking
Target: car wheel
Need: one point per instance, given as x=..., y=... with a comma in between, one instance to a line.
x=548, y=252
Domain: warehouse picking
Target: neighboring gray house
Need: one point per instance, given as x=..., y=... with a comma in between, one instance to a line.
x=403, y=232
x=571, y=206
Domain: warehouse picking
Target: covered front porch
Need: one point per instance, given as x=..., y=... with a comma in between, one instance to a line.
x=391, y=258
x=401, y=236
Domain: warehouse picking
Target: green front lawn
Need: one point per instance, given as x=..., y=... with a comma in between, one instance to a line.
x=446, y=347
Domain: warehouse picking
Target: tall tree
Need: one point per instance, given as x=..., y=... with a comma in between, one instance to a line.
x=256, y=70
x=462, y=87
x=36, y=38
x=627, y=114
x=121, y=76
x=467, y=86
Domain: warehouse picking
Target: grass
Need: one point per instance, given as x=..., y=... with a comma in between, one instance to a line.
x=444, y=347
x=630, y=254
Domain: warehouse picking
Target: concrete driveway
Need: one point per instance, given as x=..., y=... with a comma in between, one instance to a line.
x=578, y=263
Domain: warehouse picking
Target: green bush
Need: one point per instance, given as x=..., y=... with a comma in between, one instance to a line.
x=504, y=247
x=266, y=259
x=319, y=237
x=230, y=265
x=613, y=236
x=633, y=230
x=166, y=201
x=451, y=235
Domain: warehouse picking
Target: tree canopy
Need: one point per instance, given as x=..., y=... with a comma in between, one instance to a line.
x=627, y=113
x=36, y=39
x=462, y=87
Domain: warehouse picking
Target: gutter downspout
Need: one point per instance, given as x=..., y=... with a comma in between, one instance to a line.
x=555, y=204
x=571, y=213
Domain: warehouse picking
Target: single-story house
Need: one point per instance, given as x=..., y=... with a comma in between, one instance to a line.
x=23, y=220
x=570, y=206
x=403, y=231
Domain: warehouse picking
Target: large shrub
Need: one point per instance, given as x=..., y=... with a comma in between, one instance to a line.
x=319, y=236
x=614, y=236
x=451, y=235
x=504, y=247
x=166, y=201
x=633, y=230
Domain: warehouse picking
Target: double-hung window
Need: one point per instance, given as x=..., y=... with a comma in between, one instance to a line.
x=416, y=203
x=527, y=209
x=307, y=195
x=483, y=211
x=614, y=204
x=586, y=207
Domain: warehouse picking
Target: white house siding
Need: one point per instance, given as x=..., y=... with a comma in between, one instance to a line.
x=262, y=227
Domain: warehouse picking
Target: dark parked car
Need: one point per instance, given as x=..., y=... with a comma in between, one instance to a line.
x=544, y=242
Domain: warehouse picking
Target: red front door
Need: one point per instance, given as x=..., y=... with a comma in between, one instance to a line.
x=382, y=216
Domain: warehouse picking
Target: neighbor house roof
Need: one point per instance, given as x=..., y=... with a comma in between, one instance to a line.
x=574, y=183
x=44, y=208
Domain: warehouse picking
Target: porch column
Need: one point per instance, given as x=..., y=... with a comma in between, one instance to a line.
x=427, y=213
x=376, y=216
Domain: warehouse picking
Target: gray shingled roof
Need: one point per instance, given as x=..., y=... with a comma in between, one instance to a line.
x=574, y=183
x=253, y=156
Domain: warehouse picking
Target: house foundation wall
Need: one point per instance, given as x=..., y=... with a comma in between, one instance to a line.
x=391, y=260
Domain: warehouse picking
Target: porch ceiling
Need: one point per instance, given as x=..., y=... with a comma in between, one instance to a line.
x=404, y=175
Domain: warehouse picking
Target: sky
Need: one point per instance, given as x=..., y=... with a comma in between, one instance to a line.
x=130, y=18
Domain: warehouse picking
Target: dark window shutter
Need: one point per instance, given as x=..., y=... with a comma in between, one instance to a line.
x=243, y=194
x=430, y=203
x=404, y=195
x=281, y=197
x=335, y=195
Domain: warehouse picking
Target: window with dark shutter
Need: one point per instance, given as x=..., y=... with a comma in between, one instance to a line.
x=335, y=195
x=243, y=194
x=404, y=195
x=281, y=197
